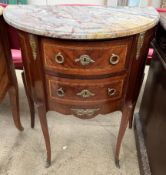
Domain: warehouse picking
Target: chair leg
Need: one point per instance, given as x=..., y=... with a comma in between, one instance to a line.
x=127, y=110
x=30, y=102
x=43, y=121
x=14, y=100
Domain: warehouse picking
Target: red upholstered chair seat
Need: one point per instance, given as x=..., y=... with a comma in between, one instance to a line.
x=3, y=5
x=150, y=55
x=161, y=10
x=17, y=58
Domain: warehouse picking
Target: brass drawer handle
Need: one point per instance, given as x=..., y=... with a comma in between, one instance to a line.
x=114, y=59
x=60, y=92
x=59, y=58
x=85, y=112
x=85, y=93
x=111, y=91
x=85, y=60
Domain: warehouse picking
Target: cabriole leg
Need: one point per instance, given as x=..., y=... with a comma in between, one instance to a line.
x=123, y=125
x=30, y=101
x=44, y=126
x=14, y=100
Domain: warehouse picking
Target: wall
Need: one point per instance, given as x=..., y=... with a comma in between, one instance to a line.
x=41, y=2
x=164, y=3
x=154, y=3
x=142, y=3
x=112, y=2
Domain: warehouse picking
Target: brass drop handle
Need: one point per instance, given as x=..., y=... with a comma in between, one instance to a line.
x=60, y=92
x=114, y=59
x=85, y=60
x=111, y=91
x=59, y=58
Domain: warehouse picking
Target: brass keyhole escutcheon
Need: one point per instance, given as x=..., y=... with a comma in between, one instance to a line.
x=111, y=91
x=85, y=60
x=114, y=59
x=60, y=92
x=59, y=58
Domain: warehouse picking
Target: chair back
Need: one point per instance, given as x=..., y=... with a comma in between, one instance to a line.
x=13, y=36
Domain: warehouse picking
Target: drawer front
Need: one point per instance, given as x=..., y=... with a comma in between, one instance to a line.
x=73, y=91
x=86, y=58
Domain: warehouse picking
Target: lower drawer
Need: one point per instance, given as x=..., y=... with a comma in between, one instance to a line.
x=77, y=91
x=85, y=98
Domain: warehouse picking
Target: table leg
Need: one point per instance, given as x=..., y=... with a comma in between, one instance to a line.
x=126, y=113
x=30, y=101
x=44, y=126
x=14, y=100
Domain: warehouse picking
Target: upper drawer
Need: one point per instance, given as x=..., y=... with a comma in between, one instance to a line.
x=86, y=57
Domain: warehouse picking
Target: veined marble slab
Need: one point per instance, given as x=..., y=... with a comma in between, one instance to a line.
x=163, y=20
x=81, y=22
x=1, y=10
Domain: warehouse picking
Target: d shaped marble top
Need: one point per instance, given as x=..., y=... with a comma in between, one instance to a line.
x=81, y=22
x=1, y=10
x=163, y=20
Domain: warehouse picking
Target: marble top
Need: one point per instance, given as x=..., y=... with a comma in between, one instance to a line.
x=163, y=20
x=81, y=22
x=1, y=10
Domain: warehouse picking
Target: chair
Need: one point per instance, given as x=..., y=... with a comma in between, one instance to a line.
x=151, y=51
x=8, y=80
x=14, y=45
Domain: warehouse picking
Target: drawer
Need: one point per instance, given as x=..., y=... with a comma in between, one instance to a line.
x=86, y=57
x=75, y=91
